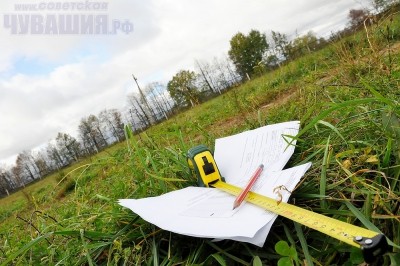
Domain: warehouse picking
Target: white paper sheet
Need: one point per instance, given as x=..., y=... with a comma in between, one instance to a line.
x=239, y=155
x=207, y=212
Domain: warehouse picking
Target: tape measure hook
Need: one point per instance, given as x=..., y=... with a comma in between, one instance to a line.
x=372, y=247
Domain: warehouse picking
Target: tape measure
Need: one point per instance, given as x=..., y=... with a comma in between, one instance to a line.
x=372, y=244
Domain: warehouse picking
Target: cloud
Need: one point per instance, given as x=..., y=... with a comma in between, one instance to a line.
x=43, y=105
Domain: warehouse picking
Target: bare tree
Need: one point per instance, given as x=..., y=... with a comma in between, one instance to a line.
x=97, y=132
x=382, y=5
x=56, y=161
x=280, y=44
x=205, y=76
x=224, y=74
x=112, y=121
x=162, y=92
x=68, y=147
x=16, y=172
x=116, y=118
x=42, y=162
x=130, y=118
x=6, y=184
x=87, y=138
x=157, y=94
x=90, y=133
x=138, y=111
x=234, y=77
x=357, y=18
x=26, y=167
x=218, y=75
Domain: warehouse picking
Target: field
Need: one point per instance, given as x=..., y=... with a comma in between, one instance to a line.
x=347, y=99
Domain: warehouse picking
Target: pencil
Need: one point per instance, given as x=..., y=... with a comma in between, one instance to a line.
x=239, y=199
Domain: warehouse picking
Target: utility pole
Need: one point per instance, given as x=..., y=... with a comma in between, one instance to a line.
x=144, y=101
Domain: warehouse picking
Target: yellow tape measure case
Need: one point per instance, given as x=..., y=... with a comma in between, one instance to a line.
x=200, y=159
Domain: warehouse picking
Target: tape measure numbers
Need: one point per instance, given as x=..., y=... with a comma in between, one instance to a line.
x=373, y=244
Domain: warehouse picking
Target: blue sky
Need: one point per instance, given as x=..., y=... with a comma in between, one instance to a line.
x=49, y=82
x=31, y=66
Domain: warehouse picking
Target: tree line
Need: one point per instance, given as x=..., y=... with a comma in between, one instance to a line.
x=250, y=55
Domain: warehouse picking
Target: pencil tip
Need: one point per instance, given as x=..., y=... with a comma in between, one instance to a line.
x=261, y=165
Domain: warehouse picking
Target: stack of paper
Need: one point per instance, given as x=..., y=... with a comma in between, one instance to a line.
x=207, y=212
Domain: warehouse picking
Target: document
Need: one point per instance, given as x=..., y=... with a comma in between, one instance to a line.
x=207, y=212
x=239, y=155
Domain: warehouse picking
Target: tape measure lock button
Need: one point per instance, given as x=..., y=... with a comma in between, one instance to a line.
x=208, y=167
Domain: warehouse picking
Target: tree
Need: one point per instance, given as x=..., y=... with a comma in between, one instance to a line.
x=304, y=44
x=217, y=75
x=280, y=42
x=247, y=52
x=42, y=162
x=92, y=137
x=68, y=147
x=206, y=77
x=182, y=88
x=96, y=130
x=160, y=98
x=357, y=17
x=25, y=167
x=87, y=137
x=137, y=112
x=132, y=119
x=6, y=184
x=272, y=61
x=54, y=156
x=382, y=5
x=230, y=76
x=16, y=172
x=112, y=121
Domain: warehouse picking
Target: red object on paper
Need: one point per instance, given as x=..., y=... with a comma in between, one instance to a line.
x=249, y=185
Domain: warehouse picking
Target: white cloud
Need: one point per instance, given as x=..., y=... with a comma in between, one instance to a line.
x=84, y=74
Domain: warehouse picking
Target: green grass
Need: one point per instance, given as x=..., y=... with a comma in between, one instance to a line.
x=347, y=98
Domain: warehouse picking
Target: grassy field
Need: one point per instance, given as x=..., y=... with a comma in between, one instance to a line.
x=347, y=99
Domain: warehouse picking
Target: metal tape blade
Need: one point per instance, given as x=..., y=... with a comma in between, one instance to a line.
x=340, y=230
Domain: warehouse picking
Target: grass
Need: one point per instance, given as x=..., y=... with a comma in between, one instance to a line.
x=346, y=97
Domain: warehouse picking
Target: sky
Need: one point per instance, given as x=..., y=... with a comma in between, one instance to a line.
x=52, y=74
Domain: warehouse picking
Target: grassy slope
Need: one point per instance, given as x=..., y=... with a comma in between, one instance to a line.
x=354, y=153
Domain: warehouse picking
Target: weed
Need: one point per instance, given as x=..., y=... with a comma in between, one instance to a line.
x=288, y=253
x=68, y=186
x=346, y=97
